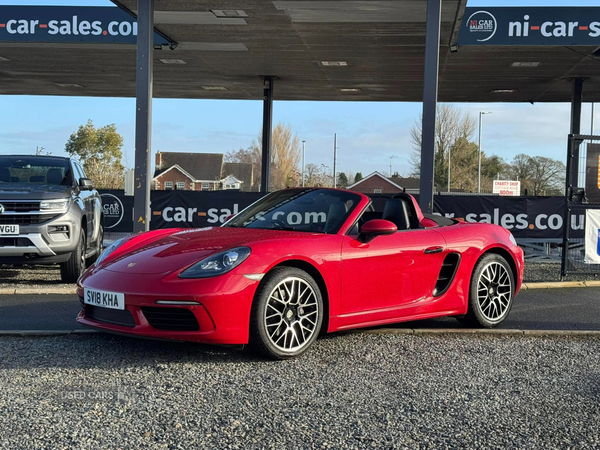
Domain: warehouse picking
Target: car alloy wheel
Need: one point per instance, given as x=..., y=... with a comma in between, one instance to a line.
x=494, y=291
x=291, y=315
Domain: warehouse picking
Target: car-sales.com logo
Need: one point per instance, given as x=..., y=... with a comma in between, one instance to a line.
x=73, y=26
x=484, y=23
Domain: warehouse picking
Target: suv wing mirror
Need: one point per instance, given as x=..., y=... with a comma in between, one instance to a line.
x=86, y=184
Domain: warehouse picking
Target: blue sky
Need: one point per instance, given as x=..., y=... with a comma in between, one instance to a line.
x=368, y=133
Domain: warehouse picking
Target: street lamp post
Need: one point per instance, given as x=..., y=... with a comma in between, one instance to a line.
x=303, y=156
x=334, y=160
x=391, y=157
x=481, y=113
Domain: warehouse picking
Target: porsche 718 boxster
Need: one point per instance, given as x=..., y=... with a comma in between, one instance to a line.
x=300, y=262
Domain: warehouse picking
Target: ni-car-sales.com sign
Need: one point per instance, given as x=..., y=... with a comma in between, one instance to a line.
x=56, y=24
x=530, y=26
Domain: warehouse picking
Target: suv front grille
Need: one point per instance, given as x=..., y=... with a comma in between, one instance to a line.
x=26, y=219
x=175, y=319
x=15, y=242
x=20, y=206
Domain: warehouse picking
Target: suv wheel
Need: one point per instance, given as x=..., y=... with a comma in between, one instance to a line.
x=71, y=270
x=98, y=248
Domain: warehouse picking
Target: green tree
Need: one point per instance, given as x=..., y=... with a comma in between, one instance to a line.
x=342, y=181
x=100, y=154
x=358, y=177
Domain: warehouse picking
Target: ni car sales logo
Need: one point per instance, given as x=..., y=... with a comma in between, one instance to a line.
x=530, y=26
x=484, y=24
x=112, y=208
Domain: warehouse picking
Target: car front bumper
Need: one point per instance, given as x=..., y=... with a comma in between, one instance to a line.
x=39, y=243
x=221, y=307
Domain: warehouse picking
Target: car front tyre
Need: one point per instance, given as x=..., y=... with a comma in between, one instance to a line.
x=287, y=314
x=491, y=292
x=71, y=269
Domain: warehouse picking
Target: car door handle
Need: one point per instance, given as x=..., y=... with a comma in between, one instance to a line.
x=431, y=250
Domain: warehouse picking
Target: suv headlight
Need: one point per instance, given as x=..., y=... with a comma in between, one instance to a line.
x=54, y=205
x=217, y=264
x=108, y=250
x=512, y=239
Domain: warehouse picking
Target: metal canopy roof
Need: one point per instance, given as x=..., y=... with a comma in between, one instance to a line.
x=231, y=44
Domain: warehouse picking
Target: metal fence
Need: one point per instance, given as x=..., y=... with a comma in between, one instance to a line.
x=572, y=258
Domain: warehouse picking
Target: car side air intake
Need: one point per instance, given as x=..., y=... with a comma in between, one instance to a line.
x=447, y=272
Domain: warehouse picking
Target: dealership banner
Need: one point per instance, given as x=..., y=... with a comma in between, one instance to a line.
x=72, y=24
x=184, y=209
x=530, y=26
x=592, y=237
x=525, y=217
x=592, y=173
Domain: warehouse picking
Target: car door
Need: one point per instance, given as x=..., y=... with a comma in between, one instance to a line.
x=86, y=198
x=386, y=274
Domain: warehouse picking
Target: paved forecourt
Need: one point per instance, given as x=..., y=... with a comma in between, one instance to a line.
x=534, y=309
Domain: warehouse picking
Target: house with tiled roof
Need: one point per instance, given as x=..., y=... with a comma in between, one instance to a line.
x=199, y=172
x=377, y=183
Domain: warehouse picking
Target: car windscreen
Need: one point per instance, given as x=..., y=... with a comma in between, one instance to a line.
x=309, y=210
x=35, y=170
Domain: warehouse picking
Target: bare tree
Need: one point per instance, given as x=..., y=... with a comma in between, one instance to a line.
x=540, y=175
x=318, y=176
x=285, y=157
x=451, y=125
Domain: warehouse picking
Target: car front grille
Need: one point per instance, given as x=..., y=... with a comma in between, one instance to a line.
x=107, y=315
x=174, y=319
x=26, y=219
x=20, y=206
x=15, y=242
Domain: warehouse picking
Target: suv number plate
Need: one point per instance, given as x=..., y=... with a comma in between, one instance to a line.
x=9, y=230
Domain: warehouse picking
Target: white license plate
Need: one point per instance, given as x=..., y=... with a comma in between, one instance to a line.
x=6, y=230
x=112, y=300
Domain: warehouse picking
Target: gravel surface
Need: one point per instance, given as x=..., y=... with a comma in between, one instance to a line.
x=537, y=271
x=31, y=277
x=349, y=391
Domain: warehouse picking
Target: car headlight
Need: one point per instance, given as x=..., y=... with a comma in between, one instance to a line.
x=217, y=264
x=512, y=239
x=54, y=205
x=108, y=250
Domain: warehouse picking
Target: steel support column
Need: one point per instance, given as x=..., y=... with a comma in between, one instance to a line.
x=265, y=175
x=576, y=98
x=430, y=92
x=143, y=115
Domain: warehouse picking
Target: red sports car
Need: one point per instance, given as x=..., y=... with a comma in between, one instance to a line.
x=297, y=263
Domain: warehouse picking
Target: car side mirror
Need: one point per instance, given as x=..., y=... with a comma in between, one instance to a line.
x=85, y=184
x=374, y=228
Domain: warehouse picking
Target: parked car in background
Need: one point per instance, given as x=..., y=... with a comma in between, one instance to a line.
x=50, y=213
x=297, y=263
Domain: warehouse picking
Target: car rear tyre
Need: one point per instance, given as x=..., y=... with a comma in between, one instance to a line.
x=99, y=247
x=491, y=293
x=71, y=270
x=287, y=314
